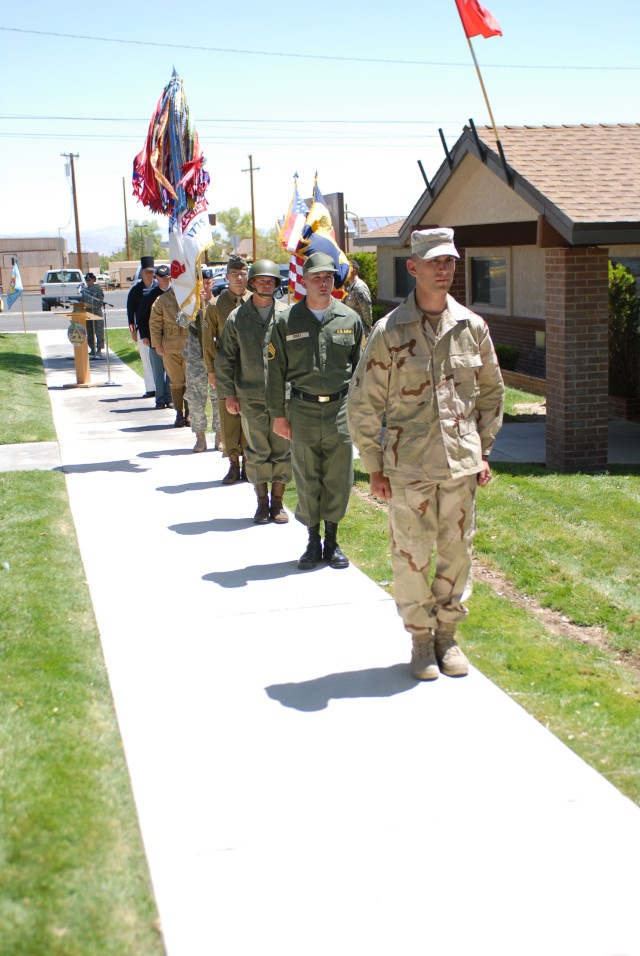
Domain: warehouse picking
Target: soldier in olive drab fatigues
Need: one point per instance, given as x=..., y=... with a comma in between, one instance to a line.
x=315, y=346
x=196, y=374
x=216, y=315
x=169, y=339
x=431, y=369
x=241, y=374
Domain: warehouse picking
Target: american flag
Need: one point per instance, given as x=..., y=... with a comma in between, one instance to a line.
x=298, y=291
x=294, y=222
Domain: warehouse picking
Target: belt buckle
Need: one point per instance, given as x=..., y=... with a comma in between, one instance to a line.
x=323, y=398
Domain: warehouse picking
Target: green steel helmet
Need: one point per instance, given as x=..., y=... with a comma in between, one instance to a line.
x=264, y=267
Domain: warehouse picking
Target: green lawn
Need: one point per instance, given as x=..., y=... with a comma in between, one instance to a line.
x=73, y=874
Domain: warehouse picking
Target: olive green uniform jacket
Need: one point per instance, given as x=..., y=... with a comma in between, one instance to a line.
x=318, y=358
x=241, y=371
x=215, y=316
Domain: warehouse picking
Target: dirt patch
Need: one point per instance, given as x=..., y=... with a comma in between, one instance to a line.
x=555, y=622
x=530, y=408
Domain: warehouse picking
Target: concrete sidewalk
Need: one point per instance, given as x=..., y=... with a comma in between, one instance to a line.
x=299, y=793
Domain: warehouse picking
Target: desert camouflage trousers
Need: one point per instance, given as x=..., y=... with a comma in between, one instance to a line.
x=198, y=389
x=428, y=516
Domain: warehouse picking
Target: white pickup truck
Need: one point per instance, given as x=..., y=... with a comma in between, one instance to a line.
x=60, y=286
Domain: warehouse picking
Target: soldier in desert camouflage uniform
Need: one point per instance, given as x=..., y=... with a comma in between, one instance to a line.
x=431, y=369
x=197, y=378
x=358, y=297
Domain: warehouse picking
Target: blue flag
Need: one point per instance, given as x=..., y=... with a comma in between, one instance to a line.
x=318, y=236
x=15, y=286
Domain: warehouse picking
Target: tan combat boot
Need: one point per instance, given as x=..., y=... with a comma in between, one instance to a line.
x=262, y=515
x=424, y=665
x=278, y=513
x=201, y=442
x=451, y=660
x=233, y=474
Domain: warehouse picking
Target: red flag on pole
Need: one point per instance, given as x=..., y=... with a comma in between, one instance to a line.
x=477, y=20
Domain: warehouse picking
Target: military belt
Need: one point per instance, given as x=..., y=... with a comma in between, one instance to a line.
x=307, y=397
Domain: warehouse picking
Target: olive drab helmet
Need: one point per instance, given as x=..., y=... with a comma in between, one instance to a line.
x=264, y=267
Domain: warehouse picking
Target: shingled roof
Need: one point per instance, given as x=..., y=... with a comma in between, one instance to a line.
x=585, y=180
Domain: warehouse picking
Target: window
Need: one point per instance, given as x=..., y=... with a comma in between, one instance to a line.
x=403, y=282
x=489, y=281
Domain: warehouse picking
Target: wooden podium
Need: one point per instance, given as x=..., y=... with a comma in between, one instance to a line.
x=77, y=335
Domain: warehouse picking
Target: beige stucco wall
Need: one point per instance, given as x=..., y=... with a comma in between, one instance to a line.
x=475, y=196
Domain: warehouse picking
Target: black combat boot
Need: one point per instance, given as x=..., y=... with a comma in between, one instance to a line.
x=262, y=515
x=313, y=554
x=331, y=552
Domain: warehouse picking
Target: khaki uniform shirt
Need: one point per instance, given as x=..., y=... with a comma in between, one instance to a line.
x=163, y=327
x=315, y=357
x=241, y=357
x=215, y=316
x=442, y=394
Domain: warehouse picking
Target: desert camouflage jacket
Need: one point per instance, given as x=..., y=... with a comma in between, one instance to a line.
x=442, y=399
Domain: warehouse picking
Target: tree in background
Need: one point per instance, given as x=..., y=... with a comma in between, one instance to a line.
x=624, y=337
x=268, y=246
x=145, y=239
x=235, y=224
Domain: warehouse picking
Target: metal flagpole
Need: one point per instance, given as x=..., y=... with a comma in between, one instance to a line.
x=106, y=345
x=484, y=92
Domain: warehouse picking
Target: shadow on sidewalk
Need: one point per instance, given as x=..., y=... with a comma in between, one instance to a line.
x=240, y=577
x=216, y=524
x=192, y=486
x=124, y=465
x=310, y=695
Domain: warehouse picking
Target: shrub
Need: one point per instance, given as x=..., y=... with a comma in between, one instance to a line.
x=368, y=265
x=508, y=356
x=624, y=340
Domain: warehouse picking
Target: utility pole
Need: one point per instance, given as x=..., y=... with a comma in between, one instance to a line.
x=251, y=171
x=126, y=220
x=71, y=157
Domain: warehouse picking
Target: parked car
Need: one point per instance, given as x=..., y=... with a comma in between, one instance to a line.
x=106, y=282
x=283, y=288
x=219, y=285
x=60, y=286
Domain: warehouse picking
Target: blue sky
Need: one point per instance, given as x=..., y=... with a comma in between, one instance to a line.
x=360, y=101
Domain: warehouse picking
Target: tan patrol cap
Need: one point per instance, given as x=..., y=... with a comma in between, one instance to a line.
x=430, y=243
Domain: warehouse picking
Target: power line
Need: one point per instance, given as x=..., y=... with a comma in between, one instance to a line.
x=313, y=56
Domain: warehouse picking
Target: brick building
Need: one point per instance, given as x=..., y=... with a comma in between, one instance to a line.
x=535, y=239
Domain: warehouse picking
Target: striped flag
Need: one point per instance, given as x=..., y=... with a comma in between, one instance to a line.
x=15, y=285
x=295, y=219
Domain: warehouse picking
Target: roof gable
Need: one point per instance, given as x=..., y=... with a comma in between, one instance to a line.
x=585, y=180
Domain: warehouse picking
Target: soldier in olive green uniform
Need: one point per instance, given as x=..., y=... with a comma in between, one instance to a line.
x=169, y=339
x=315, y=346
x=430, y=368
x=215, y=316
x=241, y=374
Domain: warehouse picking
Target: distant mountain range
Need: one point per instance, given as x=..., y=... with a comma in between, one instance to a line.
x=106, y=241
